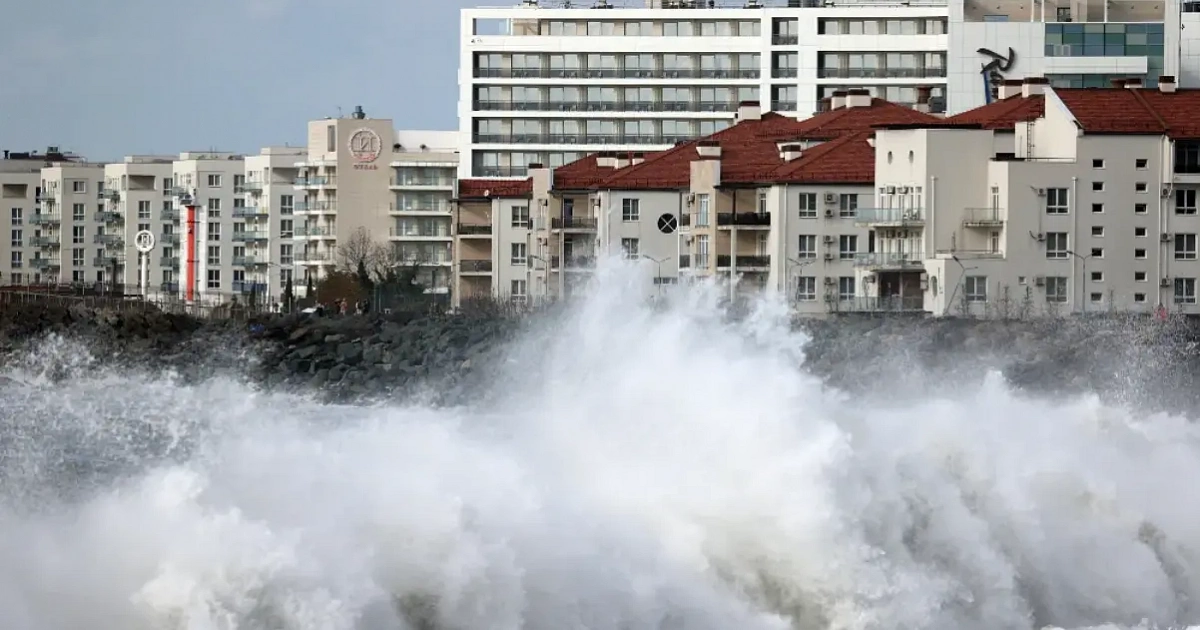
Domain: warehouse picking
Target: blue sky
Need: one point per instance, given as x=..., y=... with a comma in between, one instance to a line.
x=106, y=78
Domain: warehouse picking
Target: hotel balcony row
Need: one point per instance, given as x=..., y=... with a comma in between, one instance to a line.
x=617, y=73
x=729, y=106
x=580, y=138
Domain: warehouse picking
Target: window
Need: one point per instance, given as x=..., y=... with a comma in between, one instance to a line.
x=1139, y=208
x=762, y=202
x=847, y=206
x=167, y=206
x=1057, y=201
x=1098, y=231
x=846, y=288
x=847, y=246
x=1139, y=232
x=1140, y=298
x=214, y=208
x=214, y=181
x=1139, y=254
x=1056, y=289
x=808, y=205
x=1140, y=187
x=1185, y=290
x=630, y=210
x=1096, y=297
x=702, y=250
x=1056, y=245
x=1139, y=276
x=79, y=186
x=16, y=216
x=285, y=254
x=214, y=231
x=976, y=288
x=518, y=289
x=702, y=203
x=214, y=279
x=77, y=212
x=1097, y=252
x=143, y=209
x=1097, y=276
x=1185, y=201
x=16, y=260
x=1097, y=207
x=1097, y=163
x=1097, y=186
x=520, y=216
x=285, y=228
x=1140, y=164
x=807, y=247
x=77, y=234
x=518, y=254
x=287, y=204
x=77, y=256
x=806, y=288
x=214, y=255
x=629, y=247
x=1185, y=247
x=166, y=185
x=15, y=238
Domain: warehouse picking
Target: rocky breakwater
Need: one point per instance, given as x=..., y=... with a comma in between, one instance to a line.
x=1129, y=359
x=439, y=359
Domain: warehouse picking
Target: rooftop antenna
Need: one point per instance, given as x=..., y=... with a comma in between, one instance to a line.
x=339, y=111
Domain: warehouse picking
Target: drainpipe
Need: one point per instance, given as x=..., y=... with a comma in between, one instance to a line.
x=1074, y=210
x=931, y=207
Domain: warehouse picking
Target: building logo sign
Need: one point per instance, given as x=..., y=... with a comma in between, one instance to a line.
x=993, y=71
x=365, y=146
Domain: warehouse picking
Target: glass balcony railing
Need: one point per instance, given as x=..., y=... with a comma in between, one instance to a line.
x=251, y=235
x=891, y=260
x=881, y=216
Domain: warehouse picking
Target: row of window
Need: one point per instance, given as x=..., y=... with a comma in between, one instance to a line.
x=1058, y=245
x=731, y=28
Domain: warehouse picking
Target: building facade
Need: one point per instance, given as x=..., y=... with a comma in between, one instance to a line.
x=24, y=230
x=541, y=83
x=72, y=193
x=263, y=260
x=138, y=197
x=204, y=184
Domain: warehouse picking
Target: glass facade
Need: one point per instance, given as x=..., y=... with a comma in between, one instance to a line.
x=1086, y=80
x=1107, y=40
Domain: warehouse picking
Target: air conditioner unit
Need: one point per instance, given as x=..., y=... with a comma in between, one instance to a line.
x=828, y=282
x=828, y=256
x=1165, y=237
x=1165, y=282
x=828, y=239
x=1039, y=281
x=831, y=197
x=1166, y=191
x=829, y=213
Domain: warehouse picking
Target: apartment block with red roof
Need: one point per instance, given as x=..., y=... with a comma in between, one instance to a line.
x=1092, y=208
x=491, y=232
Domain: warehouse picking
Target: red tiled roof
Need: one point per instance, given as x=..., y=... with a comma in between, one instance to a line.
x=849, y=159
x=1100, y=110
x=489, y=188
x=834, y=123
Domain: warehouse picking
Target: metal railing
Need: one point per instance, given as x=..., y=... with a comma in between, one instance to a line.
x=431, y=208
x=891, y=260
x=881, y=73
x=108, y=239
x=870, y=216
x=573, y=223
x=246, y=187
x=249, y=212
x=45, y=241
x=109, y=216
x=246, y=286
x=170, y=214
x=617, y=73
x=246, y=261
x=475, y=229
x=606, y=106
x=45, y=263
x=743, y=262
x=983, y=216
x=755, y=219
x=42, y=218
x=312, y=231
x=785, y=40
x=418, y=233
x=251, y=235
x=169, y=239
x=439, y=182
x=169, y=261
x=886, y=304
x=475, y=266
x=312, y=182
x=314, y=206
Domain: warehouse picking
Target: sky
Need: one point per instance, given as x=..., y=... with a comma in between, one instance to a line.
x=108, y=78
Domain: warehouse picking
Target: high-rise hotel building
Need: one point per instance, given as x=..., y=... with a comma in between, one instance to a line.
x=550, y=81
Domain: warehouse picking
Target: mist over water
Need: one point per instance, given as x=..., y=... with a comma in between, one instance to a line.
x=645, y=469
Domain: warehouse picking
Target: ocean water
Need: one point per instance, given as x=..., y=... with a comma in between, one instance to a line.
x=643, y=469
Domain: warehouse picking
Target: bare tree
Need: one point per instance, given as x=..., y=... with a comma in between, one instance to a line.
x=358, y=251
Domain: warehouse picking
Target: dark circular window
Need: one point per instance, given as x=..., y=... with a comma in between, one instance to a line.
x=667, y=224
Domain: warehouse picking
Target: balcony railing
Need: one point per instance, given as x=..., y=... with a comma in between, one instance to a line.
x=439, y=182
x=501, y=171
x=580, y=262
x=891, y=260
x=475, y=266
x=474, y=229
x=983, y=217
x=42, y=218
x=428, y=208
x=169, y=287
x=573, y=223
x=887, y=304
x=743, y=262
x=606, y=106
x=418, y=233
x=170, y=239
x=750, y=219
x=108, y=239
x=879, y=216
x=616, y=73
x=247, y=261
x=45, y=263
x=107, y=262
x=170, y=214
x=785, y=106
x=308, y=257
x=685, y=261
x=314, y=182
x=247, y=287
x=881, y=73
x=246, y=187
x=249, y=212
x=110, y=194
x=313, y=231
x=315, y=206
x=108, y=216
x=784, y=73
x=169, y=261
x=251, y=235
x=45, y=241
x=785, y=40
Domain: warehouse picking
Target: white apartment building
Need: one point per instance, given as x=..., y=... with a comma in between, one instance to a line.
x=361, y=176
x=1073, y=43
x=20, y=191
x=206, y=182
x=268, y=190
x=543, y=83
x=72, y=193
x=138, y=197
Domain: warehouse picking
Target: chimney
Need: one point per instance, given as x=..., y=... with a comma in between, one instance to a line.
x=838, y=100
x=1133, y=84
x=1009, y=88
x=622, y=160
x=606, y=159
x=541, y=179
x=749, y=110
x=1166, y=84
x=708, y=149
x=859, y=97
x=790, y=151
x=923, y=94
x=1117, y=83
x=6, y=154
x=1034, y=86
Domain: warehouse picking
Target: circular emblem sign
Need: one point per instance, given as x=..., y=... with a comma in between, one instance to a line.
x=365, y=145
x=667, y=223
x=144, y=241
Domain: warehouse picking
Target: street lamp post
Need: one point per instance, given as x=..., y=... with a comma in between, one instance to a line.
x=658, y=273
x=793, y=266
x=1083, y=297
x=529, y=272
x=963, y=269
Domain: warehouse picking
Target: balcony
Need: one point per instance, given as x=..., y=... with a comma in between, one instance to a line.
x=784, y=73
x=314, y=182
x=785, y=40
x=170, y=214
x=422, y=182
x=44, y=197
x=248, y=261
x=983, y=217
x=474, y=229
x=501, y=171
x=315, y=207
x=250, y=212
x=109, y=194
x=475, y=266
x=313, y=231
x=169, y=261
x=247, y=287
x=574, y=223
x=169, y=239
x=169, y=287
x=746, y=263
x=580, y=263
x=108, y=216
x=246, y=236
x=322, y=258
x=248, y=187
x=889, y=217
x=403, y=233
x=616, y=73
x=43, y=218
x=685, y=261
x=887, y=304
x=744, y=219
x=605, y=106
x=898, y=261
x=431, y=208
x=45, y=263
x=881, y=73
x=45, y=241
x=108, y=262
x=785, y=106
x=108, y=239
